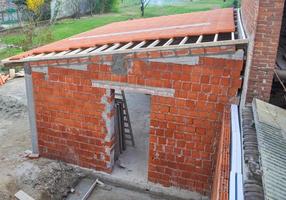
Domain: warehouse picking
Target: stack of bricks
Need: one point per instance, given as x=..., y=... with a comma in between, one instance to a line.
x=75, y=119
x=220, y=186
x=262, y=20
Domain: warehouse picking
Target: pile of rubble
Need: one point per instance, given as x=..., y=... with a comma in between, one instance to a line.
x=6, y=77
x=3, y=79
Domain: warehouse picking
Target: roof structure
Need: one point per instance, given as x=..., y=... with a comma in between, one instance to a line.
x=197, y=29
x=270, y=124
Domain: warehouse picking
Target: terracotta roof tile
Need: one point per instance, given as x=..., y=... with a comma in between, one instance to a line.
x=190, y=24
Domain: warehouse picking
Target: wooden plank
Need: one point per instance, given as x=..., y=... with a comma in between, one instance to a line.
x=21, y=195
x=168, y=42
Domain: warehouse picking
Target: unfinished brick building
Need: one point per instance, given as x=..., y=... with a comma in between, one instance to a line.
x=189, y=64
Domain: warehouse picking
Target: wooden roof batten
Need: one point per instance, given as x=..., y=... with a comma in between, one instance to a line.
x=187, y=41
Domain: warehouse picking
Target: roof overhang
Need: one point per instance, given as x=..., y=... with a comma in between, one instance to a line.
x=235, y=37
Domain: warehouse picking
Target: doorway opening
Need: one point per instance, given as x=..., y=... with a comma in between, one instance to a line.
x=131, y=159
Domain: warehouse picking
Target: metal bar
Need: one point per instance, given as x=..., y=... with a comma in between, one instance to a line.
x=168, y=42
x=153, y=44
x=85, y=197
x=139, y=45
x=184, y=40
x=31, y=108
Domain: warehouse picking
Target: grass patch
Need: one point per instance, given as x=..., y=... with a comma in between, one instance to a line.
x=128, y=10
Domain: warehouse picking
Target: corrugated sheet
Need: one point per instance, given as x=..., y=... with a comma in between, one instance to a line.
x=270, y=124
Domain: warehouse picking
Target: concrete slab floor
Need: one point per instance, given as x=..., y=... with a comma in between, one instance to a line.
x=135, y=159
x=119, y=193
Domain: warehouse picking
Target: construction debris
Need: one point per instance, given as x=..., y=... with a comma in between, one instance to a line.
x=21, y=195
x=3, y=79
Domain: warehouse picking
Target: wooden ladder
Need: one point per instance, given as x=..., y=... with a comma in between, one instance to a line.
x=127, y=128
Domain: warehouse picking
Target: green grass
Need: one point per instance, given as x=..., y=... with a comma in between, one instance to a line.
x=128, y=10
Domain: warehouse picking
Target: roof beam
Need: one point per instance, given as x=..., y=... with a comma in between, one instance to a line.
x=49, y=54
x=153, y=44
x=99, y=49
x=126, y=46
x=87, y=50
x=184, y=40
x=168, y=42
x=139, y=45
x=232, y=36
x=36, y=56
x=62, y=53
x=116, y=45
x=199, y=39
x=74, y=52
x=215, y=37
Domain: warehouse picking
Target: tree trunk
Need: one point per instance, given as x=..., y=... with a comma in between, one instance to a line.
x=142, y=9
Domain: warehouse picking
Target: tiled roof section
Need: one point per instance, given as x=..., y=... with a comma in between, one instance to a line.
x=253, y=188
x=270, y=124
x=165, y=27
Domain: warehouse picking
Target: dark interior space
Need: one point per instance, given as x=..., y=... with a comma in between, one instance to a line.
x=278, y=93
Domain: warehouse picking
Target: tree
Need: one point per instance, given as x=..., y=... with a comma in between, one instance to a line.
x=144, y=4
x=75, y=5
x=35, y=5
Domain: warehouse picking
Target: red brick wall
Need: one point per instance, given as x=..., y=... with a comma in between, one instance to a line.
x=73, y=118
x=262, y=21
x=220, y=185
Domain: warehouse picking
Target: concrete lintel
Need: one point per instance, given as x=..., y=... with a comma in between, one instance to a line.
x=134, y=88
x=40, y=69
x=79, y=66
x=238, y=55
x=186, y=60
x=31, y=108
x=44, y=69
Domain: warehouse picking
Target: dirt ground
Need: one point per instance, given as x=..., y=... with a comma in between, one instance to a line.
x=40, y=178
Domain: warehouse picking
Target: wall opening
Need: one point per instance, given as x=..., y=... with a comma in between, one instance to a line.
x=132, y=163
